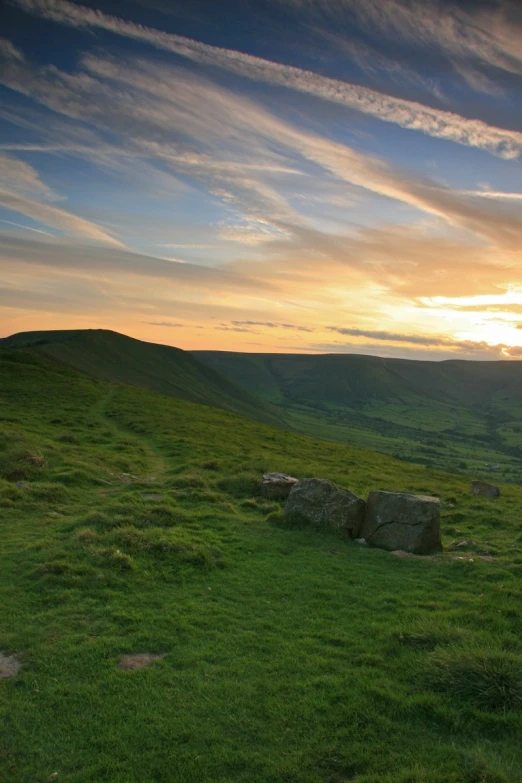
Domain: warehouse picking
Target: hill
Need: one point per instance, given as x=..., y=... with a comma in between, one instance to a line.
x=455, y=415
x=132, y=524
x=114, y=357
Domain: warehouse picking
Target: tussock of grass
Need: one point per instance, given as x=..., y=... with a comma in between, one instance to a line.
x=242, y=485
x=18, y=461
x=187, y=481
x=179, y=547
x=488, y=680
x=427, y=638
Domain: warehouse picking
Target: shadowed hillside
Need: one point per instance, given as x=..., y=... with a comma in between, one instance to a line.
x=114, y=357
x=452, y=414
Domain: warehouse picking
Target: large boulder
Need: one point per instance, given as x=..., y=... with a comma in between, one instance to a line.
x=322, y=504
x=482, y=488
x=400, y=520
x=277, y=485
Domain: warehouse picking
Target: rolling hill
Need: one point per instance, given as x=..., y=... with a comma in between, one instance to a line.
x=456, y=415
x=459, y=416
x=114, y=357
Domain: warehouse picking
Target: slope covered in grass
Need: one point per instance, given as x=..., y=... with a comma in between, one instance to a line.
x=114, y=357
x=457, y=415
x=132, y=523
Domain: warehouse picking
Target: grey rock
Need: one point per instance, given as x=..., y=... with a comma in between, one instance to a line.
x=277, y=485
x=402, y=521
x=9, y=666
x=360, y=541
x=323, y=504
x=482, y=488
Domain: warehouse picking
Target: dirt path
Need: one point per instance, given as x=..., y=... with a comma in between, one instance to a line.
x=157, y=462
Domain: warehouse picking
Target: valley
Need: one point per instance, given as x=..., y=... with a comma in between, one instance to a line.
x=459, y=416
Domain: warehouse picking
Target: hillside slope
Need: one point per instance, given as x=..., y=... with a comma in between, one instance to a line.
x=132, y=523
x=114, y=357
x=450, y=414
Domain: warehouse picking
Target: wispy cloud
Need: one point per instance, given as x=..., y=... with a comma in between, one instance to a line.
x=67, y=255
x=407, y=114
x=57, y=218
x=410, y=339
x=165, y=100
x=475, y=37
x=167, y=324
x=273, y=325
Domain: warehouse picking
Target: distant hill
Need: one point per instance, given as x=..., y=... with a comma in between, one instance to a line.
x=114, y=357
x=451, y=414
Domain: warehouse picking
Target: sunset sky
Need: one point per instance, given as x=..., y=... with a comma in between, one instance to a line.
x=265, y=175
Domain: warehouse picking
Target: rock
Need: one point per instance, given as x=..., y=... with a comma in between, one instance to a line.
x=23, y=485
x=402, y=521
x=360, y=541
x=464, y=543
x=139, y=660
x=322, y=503
x=409, y=556
x=482, y=488
x=9, y=666
x=151, y=496
x=277, y=485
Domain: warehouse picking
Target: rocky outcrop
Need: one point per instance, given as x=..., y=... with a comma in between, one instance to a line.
x=402, y=521
x=277, y=485
x=322, y=504
x=482, y=488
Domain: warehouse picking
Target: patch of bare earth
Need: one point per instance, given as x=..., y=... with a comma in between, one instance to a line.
x=138, y=661
x=9, y=666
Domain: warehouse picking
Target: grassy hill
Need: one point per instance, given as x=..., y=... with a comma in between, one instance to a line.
x=455, y=415
x=114, y=357
x=132, y=523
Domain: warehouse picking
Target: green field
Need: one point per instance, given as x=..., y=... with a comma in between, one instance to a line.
x=459, y=416
x=132, y=523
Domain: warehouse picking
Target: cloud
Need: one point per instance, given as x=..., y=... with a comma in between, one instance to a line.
x=164, y=101
x=56, y=218
x=23, y=191
x=66, y=255
x=164, y=323
x=273, y=325
x=407, y=114
x=479, y=40
x=19, y=176
x=469, y=346
x=475, y=351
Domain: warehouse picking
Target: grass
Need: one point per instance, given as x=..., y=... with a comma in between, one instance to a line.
x=289, y=655
x=459, y=416
x=114, y=357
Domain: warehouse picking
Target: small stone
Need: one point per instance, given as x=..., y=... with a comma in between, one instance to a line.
x=277, y=485
x=9, y=666
x=23, y=485
x=151, y=496
x=409, y=555
x=139, y=660
x=482, y=488
x=361, y=541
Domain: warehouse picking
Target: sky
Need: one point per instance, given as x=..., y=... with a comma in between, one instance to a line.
x=299, y=176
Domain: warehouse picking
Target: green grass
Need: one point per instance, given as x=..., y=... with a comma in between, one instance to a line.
x=459, y=416
x=112, y=356
x=289, y=655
